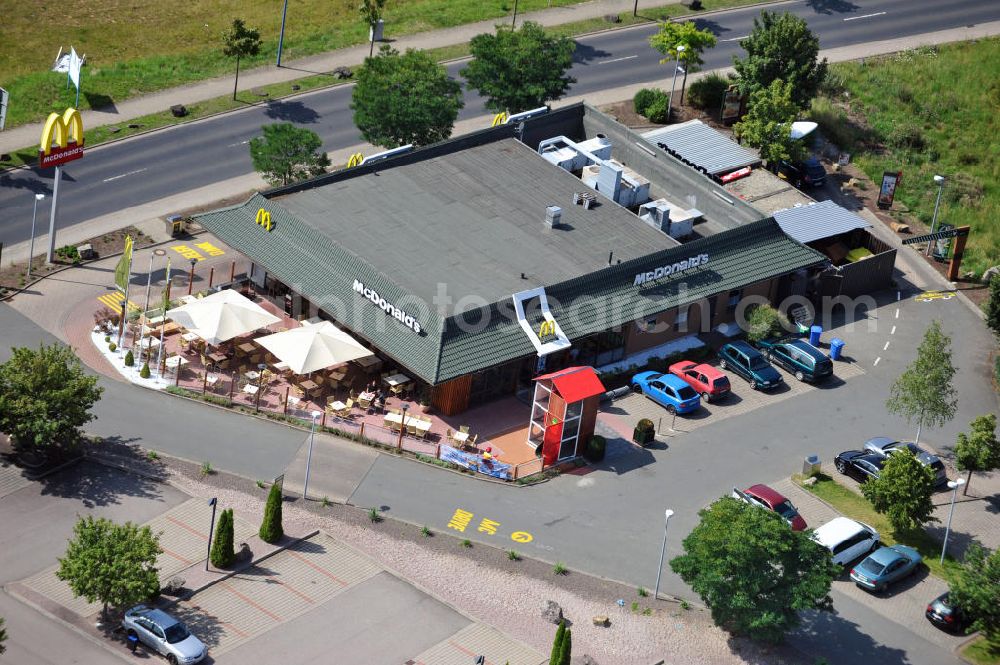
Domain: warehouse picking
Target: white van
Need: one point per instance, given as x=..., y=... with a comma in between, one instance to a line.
x=846, y=539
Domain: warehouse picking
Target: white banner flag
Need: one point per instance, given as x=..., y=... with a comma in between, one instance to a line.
x=75, y=63
x=61, y=63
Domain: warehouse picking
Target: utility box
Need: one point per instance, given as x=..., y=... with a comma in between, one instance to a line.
x=810, y=466
x=376, y=32
x=176, y=226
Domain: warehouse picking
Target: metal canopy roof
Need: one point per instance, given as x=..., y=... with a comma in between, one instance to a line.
x=818, y=220
x=699, y=145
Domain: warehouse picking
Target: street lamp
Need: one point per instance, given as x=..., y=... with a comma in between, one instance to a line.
x=31, y=245
x=309, y=456
x=402, y=426
x=667, y=514
x=939, y=179
x=211, y=527
x=677, y=64
x=952, y=485
x=281, y=35
x=191, y=276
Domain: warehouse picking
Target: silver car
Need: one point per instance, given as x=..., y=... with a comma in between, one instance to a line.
x=164, y=634
x=885, y=446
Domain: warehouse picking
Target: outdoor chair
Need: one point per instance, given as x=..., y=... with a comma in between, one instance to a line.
x=449, y=436
x=464, y=429
x=346, y=411
x=411, y=428
x=364, y=403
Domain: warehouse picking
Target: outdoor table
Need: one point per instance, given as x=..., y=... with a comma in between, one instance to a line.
x=337, y=374
x=174, y=362
x=280, y=367
x=420, y=424
x=211, y=379
x=190, y=337
x=149, y=342
x=293, y=400
x=251, y=389
x=247, y=348
x=460, y=437
x=397, y=380
x=217, y=357
x=368, y=362
x=253, y=375
x=170, y=328
x=337, y=405
x=308, y=386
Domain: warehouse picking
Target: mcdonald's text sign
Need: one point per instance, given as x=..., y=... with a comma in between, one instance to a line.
x=66, y=131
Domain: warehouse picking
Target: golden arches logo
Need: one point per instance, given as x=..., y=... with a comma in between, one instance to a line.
x=548, y=329
x=355, y=160
x=499, y=119
x=264, y=219
x=63, y=126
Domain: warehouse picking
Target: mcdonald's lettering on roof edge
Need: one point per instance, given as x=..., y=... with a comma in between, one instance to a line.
x=60, y=128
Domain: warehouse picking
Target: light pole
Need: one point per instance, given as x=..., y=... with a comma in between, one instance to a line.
x=667, y=514
x=670, y=98
x=952, y=485
x=191, y=276
x=211, y=527
x=281, y=35
x=939, y=179
x=31, y=245
x=402, y=426
x=309, y=456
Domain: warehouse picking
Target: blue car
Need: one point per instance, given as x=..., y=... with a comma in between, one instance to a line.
x=667, y=390
x=885, y=566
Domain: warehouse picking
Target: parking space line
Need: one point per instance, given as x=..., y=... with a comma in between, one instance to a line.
x=897, y=312
x=250, y=601
x=180, y=558
x=317, y=568
x=293, y=590
x=893, y=331
x=234, y=629
x=171, y=518
x=886, y=347
x=876, y=361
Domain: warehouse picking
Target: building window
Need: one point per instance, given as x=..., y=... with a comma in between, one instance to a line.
x=680, y=323
x=734, y=299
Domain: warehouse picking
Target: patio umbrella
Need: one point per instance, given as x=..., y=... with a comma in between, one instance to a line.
x=222, y=316
x=310, y=348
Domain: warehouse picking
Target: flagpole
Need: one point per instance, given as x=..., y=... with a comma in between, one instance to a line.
x=128, y=280
x=145, y=309
x=166, y=302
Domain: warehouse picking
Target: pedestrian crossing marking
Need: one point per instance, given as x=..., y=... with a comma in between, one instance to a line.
x=210, y=249
x=188, y=252
x=114, y=300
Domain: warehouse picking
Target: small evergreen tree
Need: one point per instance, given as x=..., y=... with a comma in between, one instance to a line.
x=557, y=644
x=144, y=372
x=270, y=527
x=566, y=649
x=129, y=358
x=223, y=554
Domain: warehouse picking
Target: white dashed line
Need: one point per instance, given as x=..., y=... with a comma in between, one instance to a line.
x=876, y=360
x=233, y=145
x=886, y=347
x=606, y=62
x=734, y=39
x=115, y=177
x=855, y=18
x=893, y=331
x=897, y=312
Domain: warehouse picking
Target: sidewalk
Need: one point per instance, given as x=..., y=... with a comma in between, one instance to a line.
x=26, y=135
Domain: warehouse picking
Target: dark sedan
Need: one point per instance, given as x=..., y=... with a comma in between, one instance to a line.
x=859, y=464
x=944, y=615
x=882, y=445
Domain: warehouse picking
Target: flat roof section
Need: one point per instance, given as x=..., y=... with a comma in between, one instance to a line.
x=473, y=219
x=818, y=220
x=697, y=144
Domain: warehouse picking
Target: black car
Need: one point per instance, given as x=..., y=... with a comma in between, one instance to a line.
x=860, y=464
x=799, y=357
x=945, y=616
x=741, y=358
x=807, y=172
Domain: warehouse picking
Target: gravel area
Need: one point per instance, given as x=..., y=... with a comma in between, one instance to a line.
x=484, y=584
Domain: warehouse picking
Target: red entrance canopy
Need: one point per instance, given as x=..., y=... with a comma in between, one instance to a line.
x=575, y=383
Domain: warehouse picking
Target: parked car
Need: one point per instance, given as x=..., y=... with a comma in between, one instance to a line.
x=748, y=362
x=164, y=634
x=709, y=382
x=884, y=446
x=885, y=566
x=769, y=499
x=846, y=539
x=667, y=390
x=943, y=614
x=859, y=464
x=799, y=357
x=809, y=171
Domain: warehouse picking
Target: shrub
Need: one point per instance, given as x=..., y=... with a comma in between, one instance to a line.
x=223, y=554
x=595, y=448
x=906, y=136
x=644, y=98
x=427, y=533
x=374, y=515
x=107, y=338
x=152, y=455
x=559, y=568
x=708, y=92
x=270, y=526
x=466, y=543
x=658, y=111
x=513, y=555
x=129, y=359
x=642, y=592
x=765, y=322
x=112, y=347
x=206, y=469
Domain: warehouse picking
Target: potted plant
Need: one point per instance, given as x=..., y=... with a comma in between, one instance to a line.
x=644, y=432
x=424, y=400
x=595, y=448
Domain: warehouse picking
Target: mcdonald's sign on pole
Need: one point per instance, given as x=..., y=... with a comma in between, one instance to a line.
x=547, y=329
x=66, y=131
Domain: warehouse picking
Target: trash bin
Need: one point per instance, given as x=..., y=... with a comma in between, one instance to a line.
x=814, y=334
x=836, y=348
x=133, y=641
x=810, y=466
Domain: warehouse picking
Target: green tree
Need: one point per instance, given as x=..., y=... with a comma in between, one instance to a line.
x=519, y=69
x=767, y=125
x=557, y=643
x=402, y=99
x=976, y=588
x=923, y=392
x=755, y=574
x=371, y=13
x=223, y=554
x=45, y=396
x=979, y=450
x=270, y=527
x=902, y=491
x=566, y=648
x=765, y=322
x=286, y=153
x=992, y=306
x=114, y=564
x=781, y=47
x=695, y=41
x=240, y=41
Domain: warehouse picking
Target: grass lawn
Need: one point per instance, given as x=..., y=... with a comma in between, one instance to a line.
x=142, y=47
x=855, y=506
x=982, y=652
x=928, y=111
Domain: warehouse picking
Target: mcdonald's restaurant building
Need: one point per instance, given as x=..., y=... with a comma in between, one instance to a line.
x=477, y=264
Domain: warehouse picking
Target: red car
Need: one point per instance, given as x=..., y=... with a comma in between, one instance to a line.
x=769, y=499
x=707, y=380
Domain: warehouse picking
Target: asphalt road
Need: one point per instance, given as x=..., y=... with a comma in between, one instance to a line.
x=175, y=160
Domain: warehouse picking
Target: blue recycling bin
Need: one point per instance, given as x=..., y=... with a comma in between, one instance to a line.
x=814, y=334
x=836, y=348
x=132, y=641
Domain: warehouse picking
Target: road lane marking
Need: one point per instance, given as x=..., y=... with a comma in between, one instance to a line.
x=855, y=18
x=234, y=145
x=893, y=331
x=734, y=39
x=123, y=175
x=876, y=360
x=608, y=62
x=897, y=312
x=886, y=347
